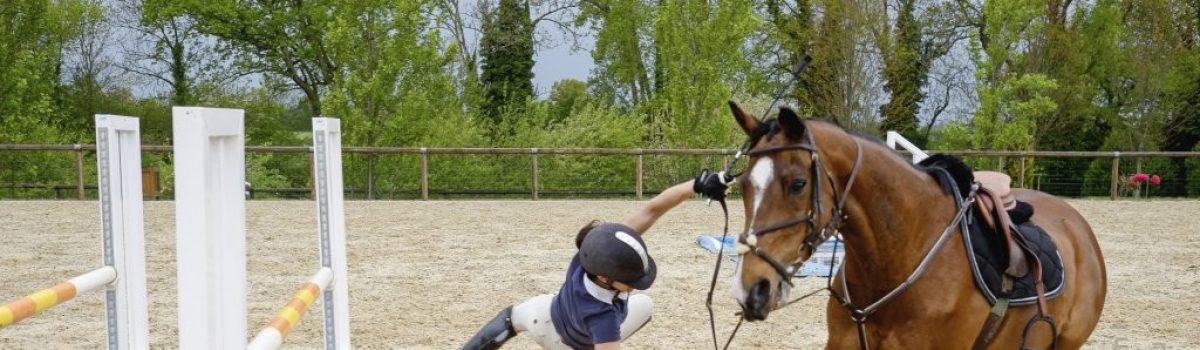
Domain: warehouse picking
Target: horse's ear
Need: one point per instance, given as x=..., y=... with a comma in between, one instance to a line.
x=746, y=120
x=793, y=127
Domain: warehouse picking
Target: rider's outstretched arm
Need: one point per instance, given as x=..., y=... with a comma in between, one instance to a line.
x=643, y=218
x=709, y=185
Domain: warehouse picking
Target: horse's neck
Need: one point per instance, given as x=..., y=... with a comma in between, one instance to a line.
x=896, y=213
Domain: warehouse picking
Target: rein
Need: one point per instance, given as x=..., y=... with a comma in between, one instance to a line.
x=713, y=284
x=859, y=316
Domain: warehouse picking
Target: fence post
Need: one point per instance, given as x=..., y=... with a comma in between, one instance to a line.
x=533, y=155
x=424, y=174
x=370, y=174
x=1021, y=177
x=1002, y=159
x=312, y=175
x=79, y=170
x=638, y=189
x=1112, y=189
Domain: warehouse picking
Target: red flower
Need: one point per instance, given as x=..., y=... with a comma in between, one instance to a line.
x=1140, y=178
x=1155, y=180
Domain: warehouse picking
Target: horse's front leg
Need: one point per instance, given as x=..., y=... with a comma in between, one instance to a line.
x=842, y=331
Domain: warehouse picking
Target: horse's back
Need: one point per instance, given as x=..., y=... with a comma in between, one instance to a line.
x=1078, y=309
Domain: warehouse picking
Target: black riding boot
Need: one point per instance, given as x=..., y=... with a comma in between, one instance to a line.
x=494, y=333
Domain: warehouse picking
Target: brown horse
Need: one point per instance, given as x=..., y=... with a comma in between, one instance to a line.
x=891, y=215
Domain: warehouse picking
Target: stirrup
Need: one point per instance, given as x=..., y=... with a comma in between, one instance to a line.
x=1034, y=320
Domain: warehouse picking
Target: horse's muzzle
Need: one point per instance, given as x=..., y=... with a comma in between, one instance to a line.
x=758, y=301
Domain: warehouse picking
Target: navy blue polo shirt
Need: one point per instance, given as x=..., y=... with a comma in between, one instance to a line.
x=586, y=314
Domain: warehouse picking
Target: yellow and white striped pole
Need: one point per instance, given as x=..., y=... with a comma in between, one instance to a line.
x=289, y=316
x=32, y=304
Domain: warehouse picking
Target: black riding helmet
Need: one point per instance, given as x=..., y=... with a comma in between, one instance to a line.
x=618, y=252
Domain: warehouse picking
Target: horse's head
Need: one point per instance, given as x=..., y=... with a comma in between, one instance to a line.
x=792, y=205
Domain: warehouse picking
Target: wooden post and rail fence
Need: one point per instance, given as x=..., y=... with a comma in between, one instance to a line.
x=638, y=155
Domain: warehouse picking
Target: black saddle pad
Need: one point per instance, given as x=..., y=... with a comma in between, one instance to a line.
x=986, y=250
x=988, y=256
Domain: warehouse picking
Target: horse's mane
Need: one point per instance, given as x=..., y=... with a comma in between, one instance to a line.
x=959, y=171
x=770, y=127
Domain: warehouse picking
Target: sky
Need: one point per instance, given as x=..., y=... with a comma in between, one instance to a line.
x=559, y=62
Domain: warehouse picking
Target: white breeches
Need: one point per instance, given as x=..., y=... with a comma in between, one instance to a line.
x=533, y=317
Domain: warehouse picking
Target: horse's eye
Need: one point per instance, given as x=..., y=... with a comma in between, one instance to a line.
x=796, y=186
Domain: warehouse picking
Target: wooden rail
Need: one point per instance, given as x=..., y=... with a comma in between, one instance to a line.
x=638, y=154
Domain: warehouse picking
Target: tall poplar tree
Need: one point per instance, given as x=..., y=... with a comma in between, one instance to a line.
x=507, y=52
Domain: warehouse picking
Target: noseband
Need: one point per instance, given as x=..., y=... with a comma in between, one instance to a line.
x=748, y=241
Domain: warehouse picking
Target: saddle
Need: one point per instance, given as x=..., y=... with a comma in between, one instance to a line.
x=1020, y=246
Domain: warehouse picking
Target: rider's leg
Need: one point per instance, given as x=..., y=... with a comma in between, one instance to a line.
x=640, y=309
x=494, y=333
x=533, y=317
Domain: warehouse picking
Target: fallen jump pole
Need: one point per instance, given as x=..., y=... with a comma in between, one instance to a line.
x=39, y=301
x=287, y=317
x=123, y=274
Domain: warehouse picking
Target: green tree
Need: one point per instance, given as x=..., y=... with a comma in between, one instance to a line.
x=169, y=49
x=287, y=38
x=393, y=88
x=622, y=74
x=1009, y=98
x=837, y=84
x=1183, y=127
x=34, y=36
x=909, y=47
x=671, y=64
x=566, y=97
x=89, y=73
x=701, y=70
x=33, y=41
x=507, y=52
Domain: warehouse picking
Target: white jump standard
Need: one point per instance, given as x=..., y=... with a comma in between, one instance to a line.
x=123, y=276
x=210, y=174
x=210, y=227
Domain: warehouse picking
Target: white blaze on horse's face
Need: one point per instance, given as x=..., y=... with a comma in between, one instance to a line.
x=760, y=177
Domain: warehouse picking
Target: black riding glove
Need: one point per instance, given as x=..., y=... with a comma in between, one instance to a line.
x=712, y=185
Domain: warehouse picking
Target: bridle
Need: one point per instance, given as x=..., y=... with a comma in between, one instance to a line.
x=748, y=241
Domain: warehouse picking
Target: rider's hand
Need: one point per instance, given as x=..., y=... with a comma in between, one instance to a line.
x=712, y=185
